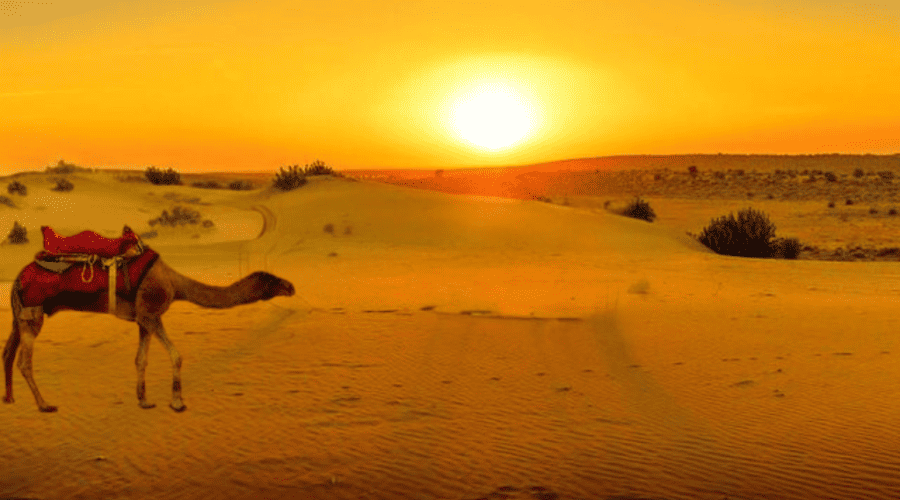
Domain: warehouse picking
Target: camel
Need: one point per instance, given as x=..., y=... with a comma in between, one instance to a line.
x=161, y=286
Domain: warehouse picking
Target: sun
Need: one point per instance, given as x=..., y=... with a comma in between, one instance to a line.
x=492, y=116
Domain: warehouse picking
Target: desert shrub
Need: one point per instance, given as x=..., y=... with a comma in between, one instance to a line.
x=290, y=178
x=62, y=167
x=318, y=167
x=639, y=209
x=207, y=223
x=692, y=170
x=240, y=185
x=206, y=185
x=179, y=217
x=848, y=202
x=830, y=177
x=830, y=204
x=747, y=235
x=719, y=174
x=5, y=200
x=786, y=248
x=63, y=186
x=892, y=211
x=158, y=176
x=16, y=187
x=131, y=178
x=18, y=235
x=886, y=176
x=873, y=211
x=858, y=173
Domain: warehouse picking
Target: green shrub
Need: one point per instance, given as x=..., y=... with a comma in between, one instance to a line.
x=158, y=176
x=290, y=178
x=63, y=185
x=747, y=235
x=16, y=187
x=639, y=209
x=18, y=235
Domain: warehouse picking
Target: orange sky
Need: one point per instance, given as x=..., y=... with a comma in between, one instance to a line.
x=240, y=85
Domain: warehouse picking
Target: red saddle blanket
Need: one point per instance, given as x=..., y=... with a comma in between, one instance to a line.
x=39, y=284
x=88, y=242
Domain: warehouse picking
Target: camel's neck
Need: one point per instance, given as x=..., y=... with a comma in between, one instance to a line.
x=241, y=292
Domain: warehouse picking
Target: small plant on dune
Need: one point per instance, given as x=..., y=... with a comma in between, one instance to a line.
x=18, y=235
x=158, y=176
x=786, y=248
x=16, y=187
x=179, y=217
x=747, y=235
x=63, y=186
x=886, y=176
x=830, y=204
x=5, y=200
x=62, y=167
x=240, y=185
x=692, y=170
x=206, y=185
x=830, y=177
x=892, y=211
x=289, y=178
x=318, y=167
x=639, y=209
x=858, y=173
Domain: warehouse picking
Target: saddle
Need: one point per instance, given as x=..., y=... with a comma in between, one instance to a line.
x=56, y=268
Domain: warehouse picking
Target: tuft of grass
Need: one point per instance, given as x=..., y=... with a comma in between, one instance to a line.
x=289, y=178
x=749, y=234
x=16, y=187
x=18, y=235
x=5, y=200
x=158, y=176
x=830, y=177
x=639, y=209
x=858, y=173
x=785, y=248
x=62, y=167
x=63, y=186
x=206, y=185
x=830, y=204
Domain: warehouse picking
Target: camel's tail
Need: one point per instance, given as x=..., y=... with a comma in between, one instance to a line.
x=12, y=343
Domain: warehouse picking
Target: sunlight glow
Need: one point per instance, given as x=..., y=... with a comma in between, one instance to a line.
x=493, y=116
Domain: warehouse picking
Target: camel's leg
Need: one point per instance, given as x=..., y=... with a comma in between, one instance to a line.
x=28, y=330
x=9, y=355
x=141, y=362
x=155, y=326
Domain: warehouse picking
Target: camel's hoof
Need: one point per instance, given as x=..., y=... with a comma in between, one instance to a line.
x=9, y=399
x=48, y=409
x=147, y=406
x=179, y=409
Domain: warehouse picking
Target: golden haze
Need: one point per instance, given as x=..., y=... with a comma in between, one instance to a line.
x=251, y=86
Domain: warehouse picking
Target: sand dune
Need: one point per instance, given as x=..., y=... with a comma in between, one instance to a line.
x=460, y=347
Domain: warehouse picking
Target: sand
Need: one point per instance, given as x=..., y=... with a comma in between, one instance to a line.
x=459, y=347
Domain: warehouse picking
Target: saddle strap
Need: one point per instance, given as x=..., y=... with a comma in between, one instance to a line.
x=112, y=263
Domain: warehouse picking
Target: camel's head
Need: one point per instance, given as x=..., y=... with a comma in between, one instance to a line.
x=270, y=285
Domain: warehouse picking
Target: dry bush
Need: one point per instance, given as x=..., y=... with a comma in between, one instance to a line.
x=180, y=216
x=289, y=179
x=18, y=235
x=318, y=167
x=749, y=234
x=639, y=209
x=158, y=176
x=207, y=185
x=63, y=186
x=16, y=187
x=240, y=185
x=5, y=200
